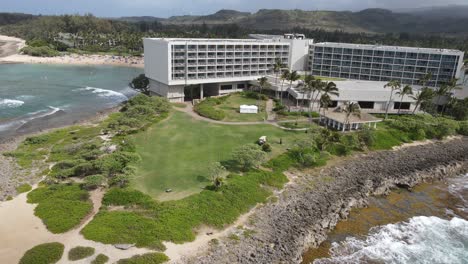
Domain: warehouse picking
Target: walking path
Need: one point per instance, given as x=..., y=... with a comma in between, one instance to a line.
x=189, y=110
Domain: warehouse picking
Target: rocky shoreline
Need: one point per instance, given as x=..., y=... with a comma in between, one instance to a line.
x=11, y=175
x=310, y=207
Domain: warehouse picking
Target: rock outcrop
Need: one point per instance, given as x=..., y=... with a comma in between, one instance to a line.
x=313, y=205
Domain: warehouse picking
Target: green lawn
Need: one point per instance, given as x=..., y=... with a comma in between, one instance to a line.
x=176, y=153
x=231, y=109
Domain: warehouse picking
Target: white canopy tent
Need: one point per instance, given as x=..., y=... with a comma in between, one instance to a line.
x=248, y=109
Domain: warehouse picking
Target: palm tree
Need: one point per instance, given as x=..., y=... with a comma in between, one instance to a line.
x=425, y=79
x=330, y=89
x=325, y=102
x=451, y=85
x=292, y=77
x=423, y=96
x=263, y=83
x=284, y=77
x=277, y=69
x=407, y=90
x=440, y=92
x=394, y=85
x=351, y=109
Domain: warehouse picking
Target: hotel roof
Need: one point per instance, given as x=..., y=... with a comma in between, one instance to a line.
x=386, y=48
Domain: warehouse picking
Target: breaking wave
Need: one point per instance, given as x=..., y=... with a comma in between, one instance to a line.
x=104, y=93
x=420, y=240
x=17, y=122
x=10, y=103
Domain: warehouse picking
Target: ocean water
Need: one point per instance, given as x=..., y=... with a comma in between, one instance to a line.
x=35, y=97
x=428, y=225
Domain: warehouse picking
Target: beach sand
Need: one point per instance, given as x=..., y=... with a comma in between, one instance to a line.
x=10, y=46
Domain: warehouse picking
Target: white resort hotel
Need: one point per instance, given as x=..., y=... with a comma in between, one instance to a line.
x=185, y=69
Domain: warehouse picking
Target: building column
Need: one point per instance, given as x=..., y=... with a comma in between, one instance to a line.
x=201, y=91
x=375, y=125
x=344, y=127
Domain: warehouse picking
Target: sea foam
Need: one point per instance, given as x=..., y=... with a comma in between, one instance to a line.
x=10, y=103
x=420, y=240
x=104, y=93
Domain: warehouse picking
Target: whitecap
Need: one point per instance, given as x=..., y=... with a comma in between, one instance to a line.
x=420, y=240
x=104, y=93
x=10, y=103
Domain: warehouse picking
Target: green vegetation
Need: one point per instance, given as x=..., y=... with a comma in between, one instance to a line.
x=149, y=258
x=61, y=207
x=23, y=188
x=192, y=145
x=100, y=259
x=226, y=108
x=47, y=253
x=78, y=253
x=141, y=83
x=43, y=51
x=296, y=125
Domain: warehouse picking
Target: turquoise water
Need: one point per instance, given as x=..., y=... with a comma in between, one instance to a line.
x=35, y=97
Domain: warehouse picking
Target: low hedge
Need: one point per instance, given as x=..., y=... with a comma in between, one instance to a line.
x=149, y=258
x=47, y=253
x=206, y=108
x=78, y=253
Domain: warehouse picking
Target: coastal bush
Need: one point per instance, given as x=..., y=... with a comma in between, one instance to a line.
x=149, y=258
x=47, y=253
x=155, y=222
x=61, y=207
x=100, y=259
x=248, y=156
x=79, y=252
x=93, y=181
x=43, y=51
x=254, y=95
x=463, y=128
x=366, y=137
x=206, y=108
x=23, y=188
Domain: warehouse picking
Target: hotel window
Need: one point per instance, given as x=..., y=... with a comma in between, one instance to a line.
x=404, y=106
x=226, y=87
x=366, y=105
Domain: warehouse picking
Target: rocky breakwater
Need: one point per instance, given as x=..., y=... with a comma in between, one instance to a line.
x=312, y=206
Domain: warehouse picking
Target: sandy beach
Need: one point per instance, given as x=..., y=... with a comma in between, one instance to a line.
x=10, y=47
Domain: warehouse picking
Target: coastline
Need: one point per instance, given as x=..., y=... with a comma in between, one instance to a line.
x=11, y=175
x=312, y=206
x=9, y=54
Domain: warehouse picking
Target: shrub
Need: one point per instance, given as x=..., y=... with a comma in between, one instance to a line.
x=43, y=51
x=266, y=147
x=248, y=156
x=93, y=181
x=47, y=253
x=23, y=188
x=367, y=137
x=100, y=259
x=339, y=149
x=126, y=197
x=206, y=109
x=254, y=95
x=149, y=258
x=463, y=128
x=61, y=207
x=36, y=140
x=78, y=253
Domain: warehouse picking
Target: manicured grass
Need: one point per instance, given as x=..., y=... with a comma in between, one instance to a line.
x=179, y=105
x=23, y=188
x=232, y=105
x=176, y=153
x=149, y=258
x=78, y=253
x=100, y=259
x=47, y=253
x=147, y=224
x=61, y=207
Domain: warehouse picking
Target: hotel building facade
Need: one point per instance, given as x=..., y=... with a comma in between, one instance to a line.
x=210, y=67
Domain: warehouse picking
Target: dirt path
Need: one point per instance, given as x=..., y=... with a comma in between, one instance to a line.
x=20, y=230
x=10, y=46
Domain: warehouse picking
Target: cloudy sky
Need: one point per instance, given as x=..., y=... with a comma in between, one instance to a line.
x=166, y=8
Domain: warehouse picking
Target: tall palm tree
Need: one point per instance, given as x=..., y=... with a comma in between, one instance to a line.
x=351, y=109
x=394, y=86
x=293, y=76
x=406, y=91
x=284, y=77
x=325, y=102
x=277, y=69
x=425, y=79
x=423, y=96
x=451, y=85
x=330, y=89
x=263, y=83
x=440, y=92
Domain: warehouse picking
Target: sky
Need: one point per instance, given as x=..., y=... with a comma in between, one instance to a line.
x=166, y=8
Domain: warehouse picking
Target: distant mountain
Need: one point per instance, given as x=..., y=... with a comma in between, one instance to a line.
x=451, y=11
x=141, y=19
x=373, y=20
